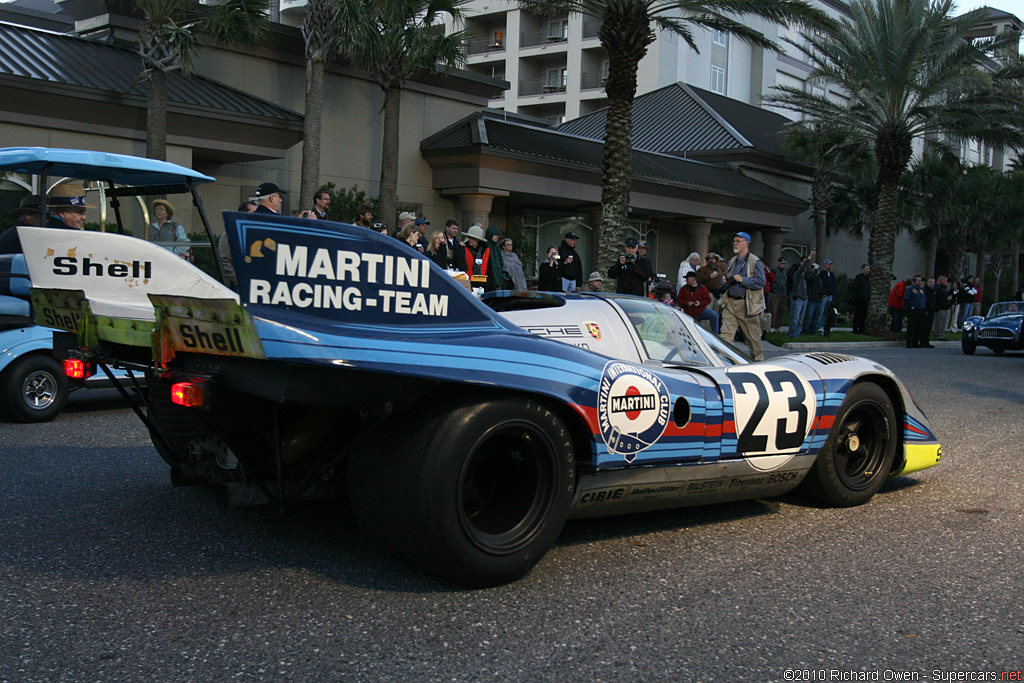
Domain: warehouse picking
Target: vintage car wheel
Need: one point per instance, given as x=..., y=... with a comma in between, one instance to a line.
x=35, y=389
x=968, y=348
x=475, y=494
x=858, y=455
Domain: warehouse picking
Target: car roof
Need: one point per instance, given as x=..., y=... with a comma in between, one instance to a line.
x=105, y=166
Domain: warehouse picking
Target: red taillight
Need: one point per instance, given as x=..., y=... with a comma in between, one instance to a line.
x=76, y=368
x=189, y=394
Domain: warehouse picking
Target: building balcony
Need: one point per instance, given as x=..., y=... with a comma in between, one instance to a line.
x=539, y=86
x=479, y=46
x=592, y=80
x=535, y=38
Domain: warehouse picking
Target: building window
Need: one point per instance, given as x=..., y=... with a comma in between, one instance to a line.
x=556, y=80
x=720, y=38
x=717, y=79
x=558, y=30
x=498, y=38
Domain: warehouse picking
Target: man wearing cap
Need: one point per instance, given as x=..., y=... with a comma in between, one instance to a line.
x=572, y=264
x=269, y=198
x=474, y=257
x=629, y=276
x=594, y=282
x=778, y=294
x=645, y=263
x=26, y=214
x=743, y=300
x=405, y=218
x=694, y=299
x=422, y=224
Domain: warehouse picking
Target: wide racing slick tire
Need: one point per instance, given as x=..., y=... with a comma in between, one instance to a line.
x=968, y=348
x=858, y=455
x=35, y=388
x=475, y=494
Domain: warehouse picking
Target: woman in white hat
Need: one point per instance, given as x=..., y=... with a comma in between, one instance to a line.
x=474, y=257
x=163, y=229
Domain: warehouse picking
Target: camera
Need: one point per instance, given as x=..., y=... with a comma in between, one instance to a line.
x=630, y=258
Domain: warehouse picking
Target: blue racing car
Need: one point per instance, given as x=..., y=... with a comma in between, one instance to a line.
x=464, y=430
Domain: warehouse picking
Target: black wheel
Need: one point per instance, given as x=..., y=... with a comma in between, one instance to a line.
x=35, y=388
x=475, y=494
x=968, y=347
x=859, y=452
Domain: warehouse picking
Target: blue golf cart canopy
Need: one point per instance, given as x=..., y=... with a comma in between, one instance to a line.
x=103, y=166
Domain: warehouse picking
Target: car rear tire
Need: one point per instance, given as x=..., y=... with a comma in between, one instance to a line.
x=858, y=455
x=474, y=494
x=35, y=388
x=968, y=348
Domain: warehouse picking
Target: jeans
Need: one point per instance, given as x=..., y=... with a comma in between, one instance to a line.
x=819, y=320
x=796, y=315
x=708, y=314
x=965, y=313
x=811, y=315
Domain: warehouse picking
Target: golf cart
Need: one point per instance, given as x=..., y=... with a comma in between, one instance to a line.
x=33, y=384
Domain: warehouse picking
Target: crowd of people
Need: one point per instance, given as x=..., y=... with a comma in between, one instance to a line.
x=741, y=294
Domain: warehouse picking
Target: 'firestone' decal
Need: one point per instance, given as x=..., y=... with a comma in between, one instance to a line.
x=632, y=408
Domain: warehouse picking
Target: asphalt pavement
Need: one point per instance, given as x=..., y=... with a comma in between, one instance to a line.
x=107, y=573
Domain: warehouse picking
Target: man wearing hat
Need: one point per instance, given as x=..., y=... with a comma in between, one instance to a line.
x=630, y=277
x=594, y=282
x=422, y=224
x=405, y=218
x=694, y=299
x=474, y=257
x=743, y=299
x=645, y=263
x=269, y=198
x=27, y=214
x=572, y=264
x=778, y=294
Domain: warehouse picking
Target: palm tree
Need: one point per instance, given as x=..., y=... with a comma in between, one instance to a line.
x=170, y=39
x=393, y=40
x=626, y=32
x=910, y=71
x=934, y=178
x=323, y=25
x=833, y=154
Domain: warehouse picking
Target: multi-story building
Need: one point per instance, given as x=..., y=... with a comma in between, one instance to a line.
x=556, y=66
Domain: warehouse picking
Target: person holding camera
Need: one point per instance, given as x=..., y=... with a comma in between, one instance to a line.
x=743, y=295
x=550, y=272
x=630, y=273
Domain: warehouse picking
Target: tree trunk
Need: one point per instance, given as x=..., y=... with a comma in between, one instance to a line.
x=156, y=115
x=311, y=134
x=820, y=230
x=1015, y=266
x=389, y=157
x=881, y=248
x=930, y=252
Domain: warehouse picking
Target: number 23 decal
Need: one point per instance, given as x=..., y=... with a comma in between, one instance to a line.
x=774, y=409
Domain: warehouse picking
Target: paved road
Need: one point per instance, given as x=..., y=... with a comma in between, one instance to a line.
x=109, y=574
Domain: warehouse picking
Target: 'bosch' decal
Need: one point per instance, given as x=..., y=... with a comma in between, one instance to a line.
x=632, y=407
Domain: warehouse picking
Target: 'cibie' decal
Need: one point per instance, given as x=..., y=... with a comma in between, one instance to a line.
x=632, y=408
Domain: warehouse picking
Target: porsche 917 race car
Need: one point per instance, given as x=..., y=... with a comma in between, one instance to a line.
x=464, y=430
x=1000, y=330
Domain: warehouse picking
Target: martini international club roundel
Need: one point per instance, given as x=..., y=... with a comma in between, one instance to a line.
x=632, y=408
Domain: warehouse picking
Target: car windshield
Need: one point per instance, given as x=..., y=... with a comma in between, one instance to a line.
x=663, y=333
x=1005, y=308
